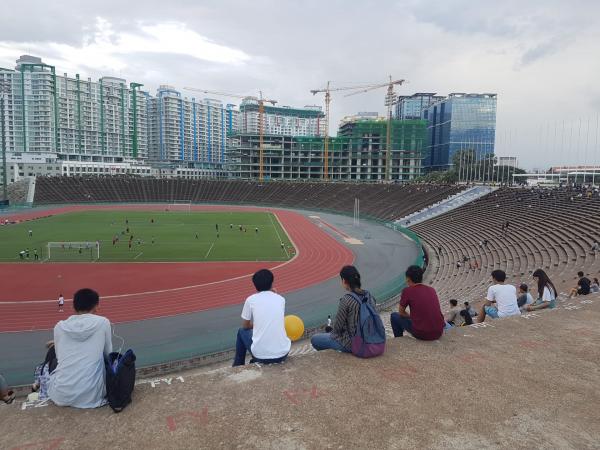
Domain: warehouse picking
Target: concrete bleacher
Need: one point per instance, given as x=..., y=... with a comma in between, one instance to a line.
x=547, y=230
x=522, y=382
x=445, y=205
x=18, y=192
x=384, y=201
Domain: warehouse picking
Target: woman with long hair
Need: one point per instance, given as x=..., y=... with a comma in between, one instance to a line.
x=346, y=318
x=547, y=292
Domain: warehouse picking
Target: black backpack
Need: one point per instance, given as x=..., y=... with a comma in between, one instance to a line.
x=120, y=379
x=466, y=316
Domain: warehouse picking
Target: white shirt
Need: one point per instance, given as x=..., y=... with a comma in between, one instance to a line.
x=79, y=379
x=266, y=310
x=548, y=295
x=505, y=296
x=61, y=300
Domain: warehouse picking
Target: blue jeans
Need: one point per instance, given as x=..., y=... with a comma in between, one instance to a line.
x=400, y=324
x=243, y=345
x=324, y=341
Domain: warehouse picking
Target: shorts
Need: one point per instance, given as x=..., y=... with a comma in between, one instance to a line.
x=491, y=311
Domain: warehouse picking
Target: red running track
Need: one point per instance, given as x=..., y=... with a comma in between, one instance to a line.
x=138, y=291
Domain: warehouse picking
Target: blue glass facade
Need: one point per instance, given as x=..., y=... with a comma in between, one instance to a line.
x=410, y=107
x=459, y=122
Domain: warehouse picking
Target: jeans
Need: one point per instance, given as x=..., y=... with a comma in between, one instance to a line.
x=324, y=341
x=243, y=344
x=400, y=324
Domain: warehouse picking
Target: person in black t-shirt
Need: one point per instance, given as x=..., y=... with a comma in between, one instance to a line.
x=583, y=286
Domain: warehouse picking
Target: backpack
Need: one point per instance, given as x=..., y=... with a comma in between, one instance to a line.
x=467, y=317
x=369, y=340
x=120, y=379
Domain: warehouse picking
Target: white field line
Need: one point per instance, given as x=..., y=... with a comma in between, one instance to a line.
x=182, y=288
x=208, y=252
x=277, y=232
x=138, y=255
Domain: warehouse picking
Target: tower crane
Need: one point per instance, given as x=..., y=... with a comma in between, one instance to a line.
x=327, y=91
x=261, y=119
x=390, y=100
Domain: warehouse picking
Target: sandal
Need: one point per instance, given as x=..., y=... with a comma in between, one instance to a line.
x=9, y=398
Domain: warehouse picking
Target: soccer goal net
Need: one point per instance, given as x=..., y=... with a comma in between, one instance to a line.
x=180, y=205
x=73, y=251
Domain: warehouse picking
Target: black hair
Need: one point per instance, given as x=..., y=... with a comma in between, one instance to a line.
x=414, y=274
x=523, y=287
x=351, y=276
x=263, y=280
x=454, y=302
x=85, y=300
x=544, y=281
x=499, y=275
x=466, y=304
x=580, y=273
x=50, y=359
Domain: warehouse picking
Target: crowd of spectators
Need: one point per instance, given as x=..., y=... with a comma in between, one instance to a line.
x=73, y=371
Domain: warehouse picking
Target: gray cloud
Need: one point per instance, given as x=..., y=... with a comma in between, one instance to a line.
x=526, y=51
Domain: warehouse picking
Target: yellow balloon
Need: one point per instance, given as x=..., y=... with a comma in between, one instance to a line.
x=294, y=327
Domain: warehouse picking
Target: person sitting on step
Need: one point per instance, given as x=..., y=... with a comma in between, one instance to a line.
x=546, y=292
x=263, y=326
x=424, y=320
x=501, y=299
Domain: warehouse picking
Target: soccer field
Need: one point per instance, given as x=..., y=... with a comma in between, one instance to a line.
x=157, y=236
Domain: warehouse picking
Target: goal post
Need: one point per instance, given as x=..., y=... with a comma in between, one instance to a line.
x=180, y=205
x=73, y=251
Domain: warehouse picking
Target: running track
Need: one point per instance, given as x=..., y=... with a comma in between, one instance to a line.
x=138, y=291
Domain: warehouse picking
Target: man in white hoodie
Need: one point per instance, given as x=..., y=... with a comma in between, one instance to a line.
x=81, y=342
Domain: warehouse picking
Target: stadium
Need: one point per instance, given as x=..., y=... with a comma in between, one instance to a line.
x=284, y=225
x=175, y=293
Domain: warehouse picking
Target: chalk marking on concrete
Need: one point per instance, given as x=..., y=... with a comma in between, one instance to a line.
x=34, y=404
x=200, y=417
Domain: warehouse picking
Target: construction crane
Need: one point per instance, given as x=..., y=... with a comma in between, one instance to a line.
x=327, y=90
x=390, y=100
x=261, y=119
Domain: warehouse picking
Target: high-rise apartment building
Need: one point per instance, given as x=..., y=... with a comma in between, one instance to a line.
x=187, y=129
x=70, y=116
x=459, y=122
x=412, y=106
x=282, y=120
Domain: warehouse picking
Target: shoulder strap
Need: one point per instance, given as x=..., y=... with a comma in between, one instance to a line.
x=358, y=298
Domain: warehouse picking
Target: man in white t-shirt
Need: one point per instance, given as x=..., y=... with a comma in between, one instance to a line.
x=501, y=299
x=263, y=329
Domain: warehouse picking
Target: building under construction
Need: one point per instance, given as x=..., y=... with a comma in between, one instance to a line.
x=358, y=153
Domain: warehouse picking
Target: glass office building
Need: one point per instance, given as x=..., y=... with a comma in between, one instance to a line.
x=410, y=107
x=459, y=122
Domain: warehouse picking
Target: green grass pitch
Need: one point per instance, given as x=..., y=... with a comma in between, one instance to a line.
x=177, y=236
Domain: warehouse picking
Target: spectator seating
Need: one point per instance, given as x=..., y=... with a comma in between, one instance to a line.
x=383, y=201
x=17, y=191
x=549, y=229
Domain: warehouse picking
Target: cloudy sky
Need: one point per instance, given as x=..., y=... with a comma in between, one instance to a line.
x=542, y=57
